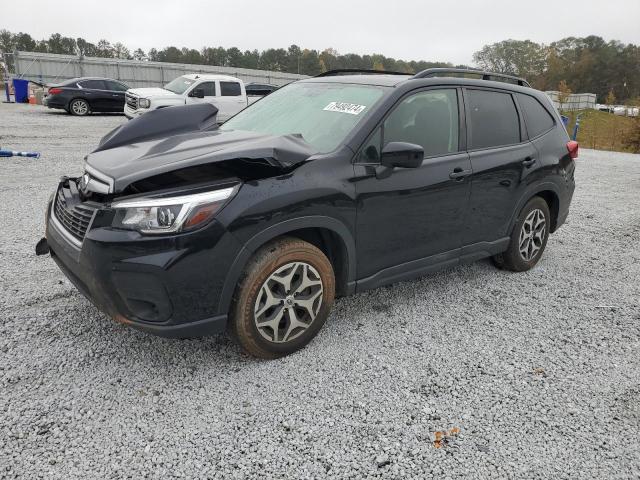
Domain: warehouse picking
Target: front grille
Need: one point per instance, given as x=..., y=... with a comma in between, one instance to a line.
x=74, y=215
x=132, y=102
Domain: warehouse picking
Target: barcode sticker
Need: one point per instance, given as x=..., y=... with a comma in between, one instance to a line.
x=344, y=107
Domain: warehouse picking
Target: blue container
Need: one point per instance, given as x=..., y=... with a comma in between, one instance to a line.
x=21, y=90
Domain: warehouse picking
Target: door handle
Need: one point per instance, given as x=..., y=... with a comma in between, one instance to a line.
x=527, y=162
x=458, y=173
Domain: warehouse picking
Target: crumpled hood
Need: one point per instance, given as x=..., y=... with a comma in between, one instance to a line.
x=131, y=162
x=151, y=92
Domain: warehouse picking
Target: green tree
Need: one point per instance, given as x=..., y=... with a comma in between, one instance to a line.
x=120, y=51
x=516, y=57
x=104, y=49
x=139, y=54
x=563, y=93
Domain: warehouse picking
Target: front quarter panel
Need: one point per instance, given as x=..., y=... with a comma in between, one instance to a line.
x=317, y=194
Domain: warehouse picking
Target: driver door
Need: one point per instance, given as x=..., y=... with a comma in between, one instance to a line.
x=207, y=88
x=410, y=220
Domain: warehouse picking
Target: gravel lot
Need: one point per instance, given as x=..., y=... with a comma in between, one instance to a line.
x=531, y=375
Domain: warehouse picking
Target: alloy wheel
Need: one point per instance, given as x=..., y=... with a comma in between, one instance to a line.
x=80, y=108
x=288, y=302
x=532, y=235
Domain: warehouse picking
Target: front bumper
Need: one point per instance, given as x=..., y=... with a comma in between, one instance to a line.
x=131, y=113
x=169, y=286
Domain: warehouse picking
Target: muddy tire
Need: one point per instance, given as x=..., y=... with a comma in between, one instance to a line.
x=528, y=239
x=282, y=299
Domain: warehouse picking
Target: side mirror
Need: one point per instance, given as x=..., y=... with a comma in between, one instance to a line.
x=197, y=92
x=402, y=154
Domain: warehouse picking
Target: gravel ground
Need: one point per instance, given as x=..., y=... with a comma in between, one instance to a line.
x=529, y=375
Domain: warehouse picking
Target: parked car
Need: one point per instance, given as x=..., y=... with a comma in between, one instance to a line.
x=226, y=93
x=259, y=89
x=81, y=96
x=328, y=186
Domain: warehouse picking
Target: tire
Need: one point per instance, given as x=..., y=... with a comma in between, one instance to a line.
x=79, y=107
x=263, y=308
x=531, y=232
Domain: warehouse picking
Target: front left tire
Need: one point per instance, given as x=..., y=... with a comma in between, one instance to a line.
x=283, y=298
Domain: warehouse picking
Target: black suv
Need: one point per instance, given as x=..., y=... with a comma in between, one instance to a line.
x=328, y=186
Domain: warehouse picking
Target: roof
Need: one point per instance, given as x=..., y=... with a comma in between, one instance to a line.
x=210, y=76
x=379, y=80
x=79, y=79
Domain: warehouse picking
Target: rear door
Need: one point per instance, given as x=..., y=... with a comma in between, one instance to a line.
x=501, y=158
x=231, y=99
x=411, y=219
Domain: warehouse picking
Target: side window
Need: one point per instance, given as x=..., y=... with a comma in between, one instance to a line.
x=209, y=88
x=429, y=119
x=494, y=119
x=116, y=86
x=93, y=84
x=230, y=89
x=536, y=117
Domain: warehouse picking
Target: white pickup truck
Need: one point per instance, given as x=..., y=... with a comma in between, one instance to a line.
x=226, y=93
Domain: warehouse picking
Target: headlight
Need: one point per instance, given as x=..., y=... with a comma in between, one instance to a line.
x=170, y=214
x=144, y=103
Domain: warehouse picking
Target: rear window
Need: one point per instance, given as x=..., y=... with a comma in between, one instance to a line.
x=537, y=119
x=230, y=89
x=494, y=120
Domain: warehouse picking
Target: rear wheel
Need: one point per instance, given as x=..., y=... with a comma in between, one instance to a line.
x=79, y=107
x=283, y=299
x=528, y=239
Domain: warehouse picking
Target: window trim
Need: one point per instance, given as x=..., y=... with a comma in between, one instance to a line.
x=523, y=135
x=462, y=141
x=524, y=120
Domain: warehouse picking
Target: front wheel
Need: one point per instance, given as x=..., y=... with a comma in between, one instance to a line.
x=79, y=107
x=283, y=299
x=528, y=239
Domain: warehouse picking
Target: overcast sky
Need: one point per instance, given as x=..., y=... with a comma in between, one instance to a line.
x=443, y=30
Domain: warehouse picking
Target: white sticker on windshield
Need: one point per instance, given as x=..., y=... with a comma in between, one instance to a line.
x=344, y=107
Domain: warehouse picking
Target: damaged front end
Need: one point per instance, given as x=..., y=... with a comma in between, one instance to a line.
x=137, y=232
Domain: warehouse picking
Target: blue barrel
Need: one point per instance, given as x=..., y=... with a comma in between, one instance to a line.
x=565, y=120
x=21, y=90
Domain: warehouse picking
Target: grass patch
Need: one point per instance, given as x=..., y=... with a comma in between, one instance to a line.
x=604, y=131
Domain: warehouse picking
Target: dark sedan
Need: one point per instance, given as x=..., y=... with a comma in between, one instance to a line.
x=81, y=96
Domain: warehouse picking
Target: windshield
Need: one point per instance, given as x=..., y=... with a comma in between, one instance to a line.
x=179, y=85
x=323, y=113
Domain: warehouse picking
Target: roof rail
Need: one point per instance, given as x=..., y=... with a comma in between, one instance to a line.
x=444, y=72
x=361, y=71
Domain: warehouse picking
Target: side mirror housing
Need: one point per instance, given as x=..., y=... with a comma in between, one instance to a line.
x=197, y=92
x=402, y=154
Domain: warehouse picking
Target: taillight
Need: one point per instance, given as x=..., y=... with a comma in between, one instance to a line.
x=55, y=91
x=572, y=148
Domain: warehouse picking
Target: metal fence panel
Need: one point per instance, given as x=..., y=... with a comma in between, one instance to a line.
x=51, y=68
x=575, y=101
